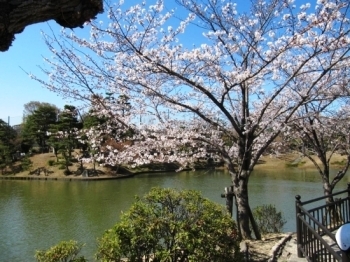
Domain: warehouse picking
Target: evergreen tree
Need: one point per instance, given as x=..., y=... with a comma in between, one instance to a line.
x=7, y=145
x=63, y=136
x=37, y=125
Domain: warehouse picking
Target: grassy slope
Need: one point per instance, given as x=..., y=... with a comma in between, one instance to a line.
x=41, y=160
x=294, y=160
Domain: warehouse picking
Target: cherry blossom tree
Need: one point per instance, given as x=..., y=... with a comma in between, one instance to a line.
x=318, y=131
x=219, y=79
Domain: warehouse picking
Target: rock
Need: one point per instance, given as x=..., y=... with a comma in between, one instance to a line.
x=268, y=249
x=15, y=15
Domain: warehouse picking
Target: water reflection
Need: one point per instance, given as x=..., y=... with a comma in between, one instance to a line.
x=38, y=214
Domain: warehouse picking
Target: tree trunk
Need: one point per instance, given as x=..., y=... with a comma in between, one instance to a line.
x=56, y=153
x=333, y=211
x=327, y=191
x=16, y=15
x=244, y=214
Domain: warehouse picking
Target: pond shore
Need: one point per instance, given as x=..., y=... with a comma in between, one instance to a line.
x=63, y=178
x=54, y=173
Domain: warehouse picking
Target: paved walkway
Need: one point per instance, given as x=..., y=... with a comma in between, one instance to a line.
x=285, y=250
x=289, y=252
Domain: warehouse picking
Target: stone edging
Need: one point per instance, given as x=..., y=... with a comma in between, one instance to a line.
x=277, y=249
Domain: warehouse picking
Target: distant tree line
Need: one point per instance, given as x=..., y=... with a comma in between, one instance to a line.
x=42, y=122
x=46, y=128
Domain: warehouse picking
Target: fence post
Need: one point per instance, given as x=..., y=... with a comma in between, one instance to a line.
x=298, y=224
x=229, y=198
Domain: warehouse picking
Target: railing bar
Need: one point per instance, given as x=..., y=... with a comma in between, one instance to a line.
x=347, y=212
x=328, y=204
x=314, y=242
x=324, y=223
x=319, y=253
x=310, y=251
x=329, y=248
x=330, y=259
x=323, y=197
x=322, y=207
x=324, y=256
x=303, y=251
x=344, y=212
x=326, y=231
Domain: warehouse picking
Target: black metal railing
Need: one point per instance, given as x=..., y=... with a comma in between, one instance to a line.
x=316, y=226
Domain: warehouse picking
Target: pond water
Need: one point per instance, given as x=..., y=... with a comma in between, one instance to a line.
x=38, y=214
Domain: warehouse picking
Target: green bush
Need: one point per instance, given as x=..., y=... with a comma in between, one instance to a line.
x=26, y=163
x=35, y=150
x=51, y=162
x=67, y=172
x=65, y=251
x=170, y=225
x=268, y=219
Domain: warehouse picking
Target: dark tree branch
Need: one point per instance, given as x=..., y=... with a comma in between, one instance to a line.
x=15, y=15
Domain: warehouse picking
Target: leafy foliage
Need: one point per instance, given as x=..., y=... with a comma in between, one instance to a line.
x=268, y=219
x=7, y=145
x=51, y=162
x=63, y=137
x=170, y=225
x=65, y=251
x=37, y=125
x=26, y=163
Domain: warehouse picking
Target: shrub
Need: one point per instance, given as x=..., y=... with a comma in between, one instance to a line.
x=268, y=219
x=65, y=251
x=67, y=172
x=51, y=162
x=170, y=225
x=26, y=163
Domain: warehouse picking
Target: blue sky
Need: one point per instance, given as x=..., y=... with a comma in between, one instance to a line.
x=26, y=53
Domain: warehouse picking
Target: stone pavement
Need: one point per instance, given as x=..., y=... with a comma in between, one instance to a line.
x=273, y=247
x=289, y=252
x=280, y=247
